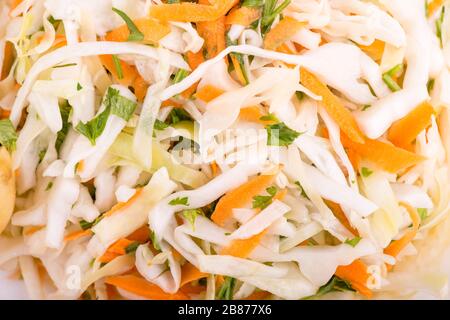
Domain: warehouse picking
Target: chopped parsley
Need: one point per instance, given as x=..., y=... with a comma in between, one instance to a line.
x=179, y=201
x=263, y=201
x=8, y=135
x=226, y=291
x=281, y=135
x=366, y=172
x=353, y=242
x=135, y=33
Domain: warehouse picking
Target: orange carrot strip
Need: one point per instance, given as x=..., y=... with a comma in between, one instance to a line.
x=240, y=197
x=194, y=60
x=241, y=248
x=15, y=4
x=282, y=32
x=214, y=168
x=192, y=289
x=192, y=12
x=108, y=257
x=356, y=273
x=333, y=106
x=433, y=6
x=254, y=114
x=258, y=295
x=213, y=32
x=27, y=231
x=153, y=31
x=394, y=248
x=4, y=113
x=120, y=246
x=141, y=235
x=130, y=75
x=386, y=156
x=403, y=132
x=375, y=50
x=190, y=273
x=340, y=215
x=8, y=60
x=77, y=234
x=143, y=288
x=123, y=205
x=243, y=16
x=208, y=93
x=237, y=68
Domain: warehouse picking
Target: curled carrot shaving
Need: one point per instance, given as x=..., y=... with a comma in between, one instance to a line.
x=340, y=114
x=403, y=132
x=77, y=235
x=356, y=273
x=192, y=12
x=433, y=6
x=282, y=32
x=243, y=16
x=340, y=215
x=152, y=30
x=213, y=32
x=8, y=60
x=208, y=93
x=384, y=155
x=396, y=246
x=130, y=76
x=242, y=248
x=143, y=288
x=123, y=205
x=190, y=273
x=375, y=50
x=240, y=197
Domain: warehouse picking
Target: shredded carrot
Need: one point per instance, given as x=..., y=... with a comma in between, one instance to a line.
x=80, y=166
x=403, y=132
x=77, y=234
x=190, y=273
x=375, y=50
x=354, y=158
x=241, y=248
x=240, y=197
x=15, y=4
x=214, y=168
x=433, y=6
x=108, y=257
x=27, y=231
x=142, y=235
x=238, y=69
x=213, y=32
x=8, y=60
x=340, y=215
x=258, y=295
x=208, y=93
x=4, y=113
x=281, y=33
x=396, y=246
x=143, y=288
x=120, y=246
x=192, y=12
x=356, y=273
x=341, y=115
x=243, y=16
x=123, y=205
x=194, y=60
x=130, y=75
x=384, y=155
x=254, y=114
x=171, y=103
x=192, y=289
x=152, y=30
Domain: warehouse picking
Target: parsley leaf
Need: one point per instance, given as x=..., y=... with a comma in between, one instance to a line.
x=8, y=135
x=191, y=216
x=366, y=172
x=252, y=3
x=353, y=242
x=179, y=201
x=79, y=87
x=160, y=125
x=263, y=201
x=439, y=22
x=303, y=193
x=155, y=241
x=135, y=33
x=269, y=117
x=335, y=284
x=65, y=109
x=180, y=75
x=280, y=135
x=114, y=104
x=270, y=12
